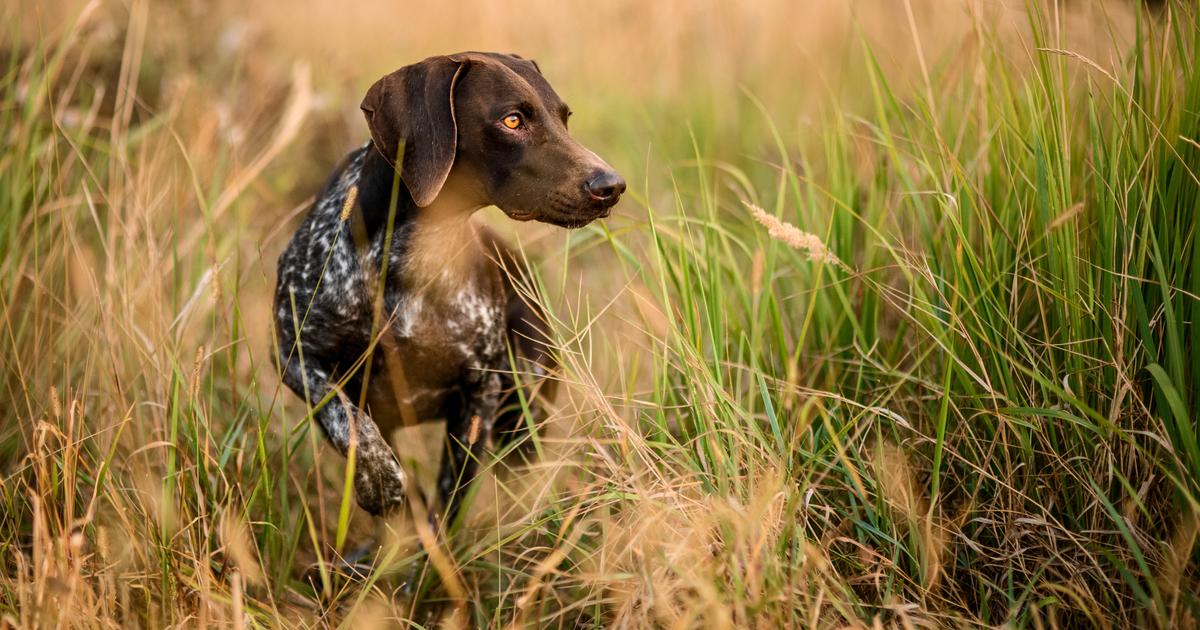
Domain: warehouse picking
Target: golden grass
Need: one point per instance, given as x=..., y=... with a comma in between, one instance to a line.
x=157, y=473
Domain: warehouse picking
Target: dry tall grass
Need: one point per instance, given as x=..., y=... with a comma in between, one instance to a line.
x=743, y=437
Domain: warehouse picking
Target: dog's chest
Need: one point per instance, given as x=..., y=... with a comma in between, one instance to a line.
x=461, y=325
x=437, y=345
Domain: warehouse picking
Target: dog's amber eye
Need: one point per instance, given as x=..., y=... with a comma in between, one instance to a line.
x=512, y=121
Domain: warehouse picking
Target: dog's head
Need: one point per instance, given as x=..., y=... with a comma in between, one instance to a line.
x=495, y=120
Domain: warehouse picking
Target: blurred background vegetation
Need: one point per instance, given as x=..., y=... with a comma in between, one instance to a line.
x=895, y=326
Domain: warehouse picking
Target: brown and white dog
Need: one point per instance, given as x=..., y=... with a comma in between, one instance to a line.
x=388, y=294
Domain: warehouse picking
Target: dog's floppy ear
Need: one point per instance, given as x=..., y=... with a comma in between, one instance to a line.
x=411, y=116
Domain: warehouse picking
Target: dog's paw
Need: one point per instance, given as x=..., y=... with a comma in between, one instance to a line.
x=379, y=483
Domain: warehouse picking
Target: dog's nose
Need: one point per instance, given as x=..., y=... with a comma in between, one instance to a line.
x=606, y=186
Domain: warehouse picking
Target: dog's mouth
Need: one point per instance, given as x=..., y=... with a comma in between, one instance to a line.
x=575, y=220
x=521, y=215
x=566, y=218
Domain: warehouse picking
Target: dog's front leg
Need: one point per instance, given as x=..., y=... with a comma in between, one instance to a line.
x=379, y=481
x=468, y=433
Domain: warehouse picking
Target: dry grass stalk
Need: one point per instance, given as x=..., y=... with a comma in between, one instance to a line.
x=795, y=238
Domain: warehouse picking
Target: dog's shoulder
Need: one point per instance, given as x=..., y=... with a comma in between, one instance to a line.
x=327, y=209
x=321, y=260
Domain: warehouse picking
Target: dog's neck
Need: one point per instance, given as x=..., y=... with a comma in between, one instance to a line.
x=442, y=246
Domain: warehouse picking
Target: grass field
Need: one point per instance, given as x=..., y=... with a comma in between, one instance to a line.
x=896, y=326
